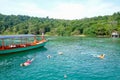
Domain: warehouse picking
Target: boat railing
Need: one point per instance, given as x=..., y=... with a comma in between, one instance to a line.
x=4, y=47
x=35, y=42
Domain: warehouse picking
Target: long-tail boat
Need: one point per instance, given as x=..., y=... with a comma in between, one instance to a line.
x=16, y=43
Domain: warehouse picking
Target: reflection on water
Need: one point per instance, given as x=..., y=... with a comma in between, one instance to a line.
x=78, y=60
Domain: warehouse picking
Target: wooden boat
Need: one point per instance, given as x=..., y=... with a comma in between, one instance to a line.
x=16, y=43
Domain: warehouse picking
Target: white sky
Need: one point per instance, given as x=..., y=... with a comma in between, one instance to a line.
x=60, y=9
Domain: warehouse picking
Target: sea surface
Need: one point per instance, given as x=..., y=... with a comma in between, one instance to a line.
x=70, y=58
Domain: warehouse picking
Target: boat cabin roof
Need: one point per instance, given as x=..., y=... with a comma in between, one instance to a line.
x=16, y=36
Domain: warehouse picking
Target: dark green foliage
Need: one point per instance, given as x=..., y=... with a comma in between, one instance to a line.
x=96, y=26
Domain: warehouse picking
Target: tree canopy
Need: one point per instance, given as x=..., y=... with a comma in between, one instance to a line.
x=95, y=26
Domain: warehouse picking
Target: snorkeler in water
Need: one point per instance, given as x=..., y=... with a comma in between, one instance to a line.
x=28, y=62
x=101, y=56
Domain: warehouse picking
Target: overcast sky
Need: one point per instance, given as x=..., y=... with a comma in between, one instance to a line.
x=60, y=9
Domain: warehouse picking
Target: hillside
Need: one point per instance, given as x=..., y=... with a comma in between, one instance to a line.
x=95, y=26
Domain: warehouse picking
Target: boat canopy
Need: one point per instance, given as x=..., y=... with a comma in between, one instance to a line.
x=16, y=36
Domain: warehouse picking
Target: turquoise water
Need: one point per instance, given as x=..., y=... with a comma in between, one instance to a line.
x=78, y=62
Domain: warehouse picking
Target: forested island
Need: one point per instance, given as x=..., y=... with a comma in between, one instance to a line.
x=95, y=26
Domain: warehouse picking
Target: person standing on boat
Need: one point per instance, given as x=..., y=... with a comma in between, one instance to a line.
x=42, y=36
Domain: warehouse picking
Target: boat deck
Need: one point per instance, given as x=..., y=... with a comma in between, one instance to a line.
x=21, y=45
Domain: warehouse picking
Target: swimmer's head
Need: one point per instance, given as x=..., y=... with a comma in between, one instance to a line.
x=22, y=64
x=65, y=76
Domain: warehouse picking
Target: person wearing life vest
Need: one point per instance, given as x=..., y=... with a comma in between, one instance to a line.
x=101, y=56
